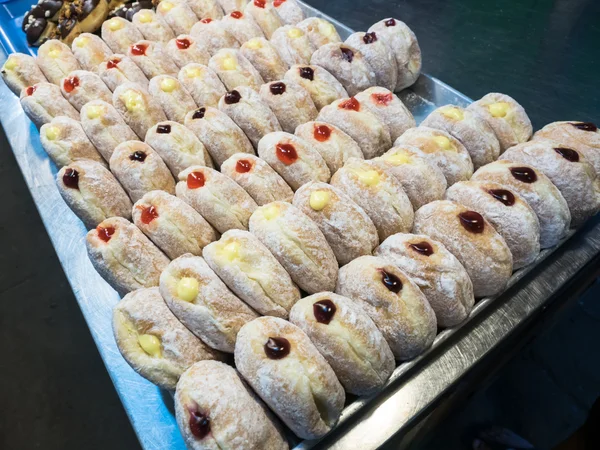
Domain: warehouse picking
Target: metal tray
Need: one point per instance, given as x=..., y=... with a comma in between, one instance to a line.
x=366, y=422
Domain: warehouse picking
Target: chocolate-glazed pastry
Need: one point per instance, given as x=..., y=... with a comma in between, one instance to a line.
x=92, y=192
x=206, y=9
x=202, y=83
x=213, y=36
x=56, y=60
x=172, y=96
x=90, y=14
x=472, y=239
x=290, y=102
x=123, y=256
x=257, y=178
x=139, y=169
x=319, y=31
x=81, y=87
x=39, y=23
x=67, y=29
x=323, y=87
x=184, y=49
x=388, y=108
x=234, y=70
x=90, y=51
x=178, y=15
x=43, y=101
x=19, y=71
x=119, y=34
x=263, y=55
x=289, y=10
x=153, y=58
x=232, y=5
x=119, y=69
x=293, y=45
x=137, y=107
x=442, y=149
x=241, y=26
x=152, y=26
x=379, y=56
x=265, y=15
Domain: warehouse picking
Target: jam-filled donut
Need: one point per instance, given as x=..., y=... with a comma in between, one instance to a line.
x=437, y=272
x=56, y=60
x=219, y=199
x=507, y=118
x=137, y=107
x=287, y=371
x=442, y=149
x=173, y=225
x=319, y=31
x=470, y=129
x=123, y=256
x=20, y=70
x=290, y=102
x=229, y=6
x=250, y=270
x=105, y=127
x=257, y=178
x=293, y=45
x=202, y=83
x=65, y=141
x=213, y=36
x=293, y=158
x=206, y=9
x=119, y=34
x=139, y=169
x=350, y=116
x=81, y=87
x=289, y=10
x=220, y=135
x=379, y=56
x=384, y=104
x=265, y=15
x=152, y=26
x=92, y=192
x=177, y=14
x=153, y=342
x=380, y=195
x=184, y=50
x=403, y=43
x=90, y=51
x=393, y=301
x=241, y=26
x=322, y=86
x=43, y=101
x=263, y=55
x=175, y=101
x=216, y=409
x=202, y=302
x=153, y=58
x=422, y=181
x=348, y=339
x=119, y=69
x=345, y=225
x=568, y=169
x=234, y=70
x=298, y=244
x=472, y=239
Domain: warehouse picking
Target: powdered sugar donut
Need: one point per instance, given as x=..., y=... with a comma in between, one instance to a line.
x=184, y=50
x=293, y=45
x=379, y=56
x=172, y=97
x=322, y=86
x=265, y=15
x=19, y=71
x=119, y=34
x=213, y=36
x=388, y=108
x=90, y=51
x=241, y=26
x=202, y=83
x=319, y=31
x=56, y=60
x=153, y=58
x=290, y=102
x=152, y=26
x=289, y=10
x=137, y=107
x=81, y=86
x=206, y=9
x=234, y=70
x=263, y=55
x=119, y=69
x=177, y=14
x=43, y=101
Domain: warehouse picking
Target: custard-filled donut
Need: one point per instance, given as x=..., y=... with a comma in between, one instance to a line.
x=229, y=6
x=43, y=101
x=81, y=87
x=139, y=169
x=380, y=195
x=20, y=70
x=218, y=198
x=206, y=9
x=250, y=270
x=470, y=129
x=289, y=10
x=234, y=70
x=105, y=127
x=506, y=117
x=119, y=69
x=152, y=26
x=384, y=104
x=442, y=149
x=350, y=116
x=472, y=239
x=422, y=181
x=319, y=31
x=137, y=107
x=65, y=141
x=220, y=135
x=287, y=371
x=257, y=178
x=393, y=301
x=202, y=302
x=178, y=15
x=379, y=56
x=172, y=97
x=119, y=34
x=345, y=225
x=215, y=409
x=298, y=245
x=437, y=272
x=265, y=15
x=173, y=225
x=403, y=43
x=123, y=256
x=322, y=86
x=202, y=83
x=290, y=102
x=263, y=55
x=92, y=192
x=56, y=60
x=153, y=342
x=213, y=36
x=184, y=50
x=90, y=51
x=293, y=158
x=153, y=58
x=568, y=169
x=241, y=26
x=293, y=45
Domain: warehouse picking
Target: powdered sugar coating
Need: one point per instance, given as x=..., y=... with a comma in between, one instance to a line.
x=293, y=45
x=89, y=87
x=206, y=9
x=90, y=51
x=176, y=103
x=143, y=113
x=155, y=59
x=202, y=83
x=263, y=55
x=194, y=52
x=122, y=70
x=232, y=5
x=24, y=72
x=213, y=36
x=293, y=107
x=119, y=37
x=242, y=28
x=265, y=16
x=322, y=86
x=290, y=11
x=384, y=104
x=379, y=56
x=178, y=15
x=319, y=31
x=155, y=29
x=45, y=103
x=60, y=64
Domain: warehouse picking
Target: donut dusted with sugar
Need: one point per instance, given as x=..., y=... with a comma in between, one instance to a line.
x=152, y=26
x=290, y=102
x=119, y=69
x=81, y=87
x=265, y=15
x=90, y=51
x=263, y=55
x=241, y=26
x=213, y=36
x=56, y=60
x=172, y=97
x=43, y=101
x=229, y=6
x=386, y=106
x=19, y=71
x=137, y=107
x=322, y=86
x=177, y=14
x=234, y=70
x=202, y=83
x=379, y=56
x=293, y=45
x=206, y=9
x=153, y=58
x=319, y=31
x=184, y=49
x=119, y=34
x=289, y=10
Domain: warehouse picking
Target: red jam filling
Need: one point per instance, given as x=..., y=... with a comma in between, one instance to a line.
x=382, y=99
x=149, y=214
x=139, y=49
x=322, y=133
x=286, y=153
x=259, y=3
x=390, y=23
x=350, y=104
x=524, y=174
x=369, y=38
x=277, y=348
x=71, y=179
x=199, y=424
x=236, y=14
x=324, y=310
x=70, y=84
x=503, y=196
x=278, y=3
x=472, y=221
x=105, y=233
x=424, y=248
x=391, y=281
x=243, y=166
x=30, y=90
x=568, y=153
x=183, y=44
x=112, y=63
x=195, y=180
x=207, y=20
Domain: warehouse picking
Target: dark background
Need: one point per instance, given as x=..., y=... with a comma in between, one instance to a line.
x=54, y=390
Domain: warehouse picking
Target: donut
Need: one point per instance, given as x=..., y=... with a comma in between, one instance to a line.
x=289, y=10
x=105, y=127
x=293, y=45
x=241, y=26
x=422, y=181
x=152, y=26
x=393, y=301
x=298, y=244
x=234, y=70
x=81, y=87
x=348, y=339
x=213, y=36
x=257, y=178
x=290, y=102
x=37, y=27
x=172, y=97
x=323, y=87
x=229, y=6
x=265, y=16
x=20, y=70
x=472, y=239
x=223, y=203
x=206, y=9
x=173, y=225
x=123, y=256
x=56, y=60
x=215, y=409
x=90, y=51
x=177, y=14
x=202, y=302
x=405, y=47
x=220, y=135
x=129, y=9
x=90, y=14
x=119, y=69
x=137, y=107
x=153, y=58
x=184, y=50
x=441, y=149
x=43, y=101
x=568, y=169
x=386, y=106
x=380, y=195
x=470, y=129
x=139, y=169
x=506, y=117
x=437, y=272
x=119, y=34
x=287, y=371
x=153, y=342
x=319, y=31
x=250, y=270
x=265, y=59
x=379, y=56
x=369, y=132
x=202, y=83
